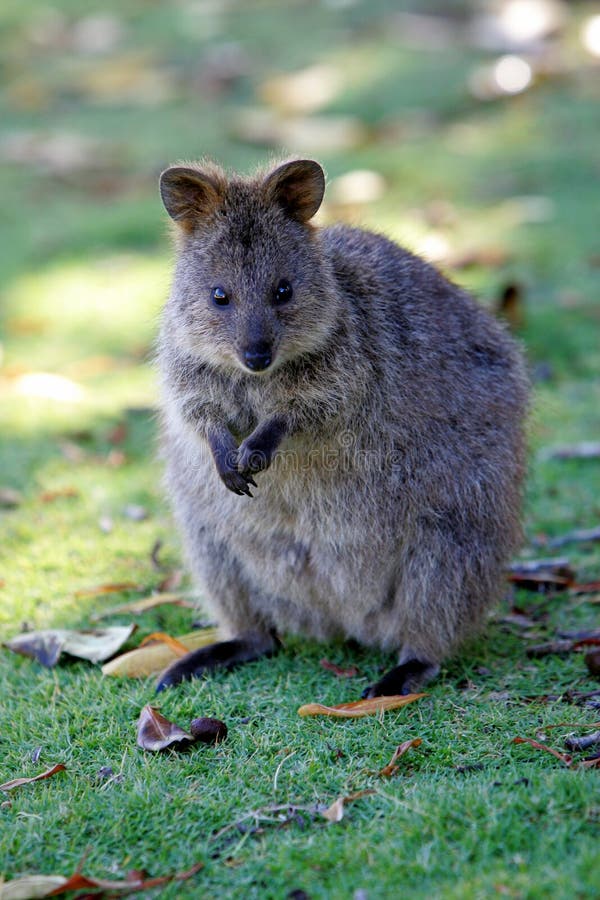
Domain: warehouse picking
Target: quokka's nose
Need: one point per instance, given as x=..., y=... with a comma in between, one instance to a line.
x=258, y=356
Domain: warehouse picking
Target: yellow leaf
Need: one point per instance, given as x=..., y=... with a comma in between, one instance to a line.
x=359, y=708
x=152, y=659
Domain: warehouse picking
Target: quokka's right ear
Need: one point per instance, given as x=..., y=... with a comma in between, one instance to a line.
x=189, y=195
x=298, y=187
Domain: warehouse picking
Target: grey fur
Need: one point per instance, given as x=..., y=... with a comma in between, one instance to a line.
x=393, y=412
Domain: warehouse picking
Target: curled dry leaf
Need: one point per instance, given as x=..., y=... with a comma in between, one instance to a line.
x=584, y=450
x=337, y=670
x=152, y=659
x=155, y=732
x=135, y=607
x=52, y=885
x=542, y=574
x=400, y=750
x=94, y=644
x=115, y=588
x=161, y=637
x=18, y=782
x=580, y=535
x=335, y=812
x=564, y=758
x=584, y=742
x=358, y=708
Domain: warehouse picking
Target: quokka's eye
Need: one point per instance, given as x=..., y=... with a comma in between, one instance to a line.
x=219, y=296
x=283, y=292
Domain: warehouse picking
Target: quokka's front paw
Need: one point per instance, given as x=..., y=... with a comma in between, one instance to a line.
x=253, y=457
x=237, y=482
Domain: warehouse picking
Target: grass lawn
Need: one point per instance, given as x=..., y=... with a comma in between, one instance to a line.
x=499, y=191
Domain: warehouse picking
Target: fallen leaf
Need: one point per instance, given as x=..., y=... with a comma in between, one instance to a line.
x=550, y=648
x=31, y=886
x=542, y=574
x=135, y=607
x=58, y=494
x=583, y=450
x=116, y=588
x=18, y=782
x=400, y=750
x=337, y=670
x=161, y=637
x=155, y=732
x=590, y=587
x=565, y=759
x=359, y=708
x=47, y=646
x=151, y=660
x=172, y=581
x=580, y=535
x=582, y=743
x=335, y=812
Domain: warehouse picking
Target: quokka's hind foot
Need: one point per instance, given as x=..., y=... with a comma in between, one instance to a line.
x=407, y=678
x=221, y=655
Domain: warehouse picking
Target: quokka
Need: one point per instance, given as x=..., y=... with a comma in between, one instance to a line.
x=342, y=429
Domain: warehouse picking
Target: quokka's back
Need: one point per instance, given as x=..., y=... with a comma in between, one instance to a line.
x=342, y=428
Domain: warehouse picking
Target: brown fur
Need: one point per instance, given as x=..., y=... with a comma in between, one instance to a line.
x=389, y=422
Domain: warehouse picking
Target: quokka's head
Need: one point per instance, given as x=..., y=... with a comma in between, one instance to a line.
x=251, y=288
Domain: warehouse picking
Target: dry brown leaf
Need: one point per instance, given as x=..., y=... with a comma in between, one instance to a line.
x=542, y=574
x=135, y=607
x=151, y=660
x=337, y=670
x=94, y=644
x=335, y=812
x=359, y=708
x=32, y=886
x=115, y=588
x=172, y=581
x=400, y=750
x=18, y=782
x=59, y=493
x=160, y=637
x=564, y=758
x=590, y=587
x=155, y=732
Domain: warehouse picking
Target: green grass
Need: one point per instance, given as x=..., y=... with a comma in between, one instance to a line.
x=84, y=265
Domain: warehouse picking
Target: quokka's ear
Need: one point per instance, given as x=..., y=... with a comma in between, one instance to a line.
x=189, y=195
x=298, y=187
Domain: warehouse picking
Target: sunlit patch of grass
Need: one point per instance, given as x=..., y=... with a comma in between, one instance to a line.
x=63, y=313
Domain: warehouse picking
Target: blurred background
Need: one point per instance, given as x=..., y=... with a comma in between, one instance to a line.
x=466, y=130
